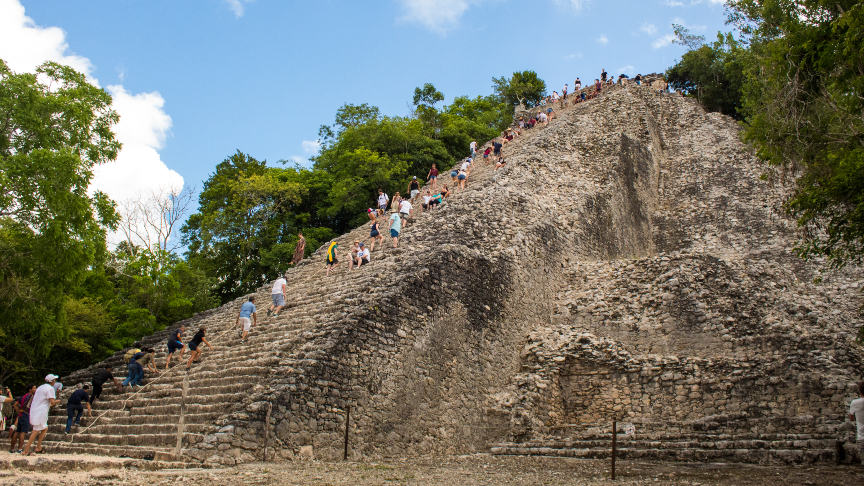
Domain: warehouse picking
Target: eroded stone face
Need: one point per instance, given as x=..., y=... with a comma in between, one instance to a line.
x=626, y=263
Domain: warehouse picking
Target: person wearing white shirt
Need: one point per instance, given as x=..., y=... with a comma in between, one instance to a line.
x=473, y=148
x=856, y=414
x=277, y=293
x=405, y=209
x=363, y=256
x=383, y=200
x=44, y=398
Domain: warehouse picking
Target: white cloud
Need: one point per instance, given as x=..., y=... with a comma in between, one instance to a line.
x=663, y=41
x=143, y=128
x=238, y=6
x=626, y=70
x=573, y=56
x=649, y=29
x=437, y=15
x=25, y=45
x=673, y=3
x=311, y=147
x=603, y=39
x=143, y=124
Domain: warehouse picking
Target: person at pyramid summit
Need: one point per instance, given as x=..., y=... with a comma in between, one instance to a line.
x=43, y=399
x=195, y=346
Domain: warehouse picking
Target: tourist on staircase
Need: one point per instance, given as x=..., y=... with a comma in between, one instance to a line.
x=136, y=370
x=300, y=249
x=405, y=212
x=383, y=199
x=148, y=361
x=432, y=177
x=363, y=256
x=486, y=154
x=42, y=400
x=21, y=414
x=603, y=75
x=332, y=260
x=277, y=295
x=577, y=85
x=99, y=379
x=414, y=188
x=496, y=148
x=394, y=205
x=856, y=414
x=245, y=318
x=195, y=344
x=473, y=147
x=174, y=343
x=75, y=407
x=352, y=255
x=395, y=226
x=375, y=234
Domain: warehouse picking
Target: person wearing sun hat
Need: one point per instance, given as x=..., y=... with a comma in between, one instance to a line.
x=44, y=398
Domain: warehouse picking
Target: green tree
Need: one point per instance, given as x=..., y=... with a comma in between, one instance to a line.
x=56, y=128
x=522, y=88
x=805, y=113
x=714, y=73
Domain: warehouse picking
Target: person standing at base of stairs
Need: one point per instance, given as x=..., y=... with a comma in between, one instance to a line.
x=44, y=398
x=277, y=294
x=195, y=344
x=856, y=414
x=75, y=407
x=22, y=421
x=99, y=379
x=245, y=316
x=175, y=343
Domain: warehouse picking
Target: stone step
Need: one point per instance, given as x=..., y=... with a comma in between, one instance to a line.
x=120, y=417
x=141, y=440
x=110, y=428
x=704, y=443
x=65, y=447
x=750, y=456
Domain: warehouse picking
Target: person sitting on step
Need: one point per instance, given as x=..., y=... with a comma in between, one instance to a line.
x=363, y=256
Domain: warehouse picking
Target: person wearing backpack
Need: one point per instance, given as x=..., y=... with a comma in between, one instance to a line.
x=147, y=361
x=21, y=419
x=136, y=371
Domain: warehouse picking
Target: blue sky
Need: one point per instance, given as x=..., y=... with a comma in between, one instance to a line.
x=199, y=80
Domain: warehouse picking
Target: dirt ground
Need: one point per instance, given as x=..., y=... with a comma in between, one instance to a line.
x=475, y=470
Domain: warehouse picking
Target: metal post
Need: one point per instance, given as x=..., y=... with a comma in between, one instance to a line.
x=614, y=445
x=267, y=429
x=347, y=419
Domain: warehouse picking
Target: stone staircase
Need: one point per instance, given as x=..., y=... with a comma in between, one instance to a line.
x=428, y=344
x=729, y=439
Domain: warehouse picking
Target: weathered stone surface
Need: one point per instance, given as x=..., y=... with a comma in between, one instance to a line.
x=627, y=263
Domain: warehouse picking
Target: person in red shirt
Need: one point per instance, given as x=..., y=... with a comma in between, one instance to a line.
x=432, y=176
